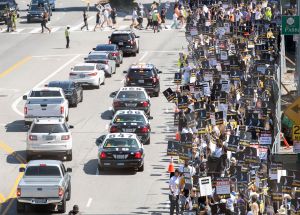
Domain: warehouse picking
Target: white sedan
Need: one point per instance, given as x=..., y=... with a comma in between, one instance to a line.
x=88, y=74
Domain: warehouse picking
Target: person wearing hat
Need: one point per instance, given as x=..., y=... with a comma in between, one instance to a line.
x=75, y=210
x=155, y=17
x=67, y=35
x=174, y=192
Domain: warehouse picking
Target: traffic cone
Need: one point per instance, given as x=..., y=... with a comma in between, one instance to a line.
x=177, y=136
x=171, y=168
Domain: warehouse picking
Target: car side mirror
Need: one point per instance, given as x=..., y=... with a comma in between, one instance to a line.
x=25, y=97
x=137, y=36
x=94, y=49
x=27, y=5
x=100, y=140
x=71, y=126
x=150, y=117
x=159, y=72
x=69, y=169
x=108, y=37
x=85, y=58
x=46, y=85
x=21, y=169
x=124, y=71
x=72, y=68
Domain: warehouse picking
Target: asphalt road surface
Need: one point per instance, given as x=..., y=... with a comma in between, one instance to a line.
x=29, y=59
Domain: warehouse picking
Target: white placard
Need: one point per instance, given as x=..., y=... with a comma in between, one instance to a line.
x=265, y=139
x=206, y=88
x=194, y=32
x=224, y=55
x=205, y=186
x=280, y=173
x=225, y=86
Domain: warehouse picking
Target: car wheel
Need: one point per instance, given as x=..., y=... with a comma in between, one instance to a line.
x=156, y=94
x=20, y=207
x=115, y=70
x=138, y=51
x=28, y=20
x=141, y=169
x=100, y=168
x=118, y=64
x=81, y=97
x=69, y=156
x=148, y=142
x=62, y=207
x=28, y=157
x=134, y=54
x=103, y=83
x=75, y=103
x=98, y=85
x=67, y=118
x=69, y=192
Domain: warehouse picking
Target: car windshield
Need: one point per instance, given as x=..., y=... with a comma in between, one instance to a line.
x=120, y=142
x=120, y=37
x=45, y=93
x=63, y=85
x=42, y=171
x=49, y=128
x=129, y=118
x=105, y=48
x=96, y=57
x=131, y=95
x=83, y=68
x=36, y=7
x=138, y=73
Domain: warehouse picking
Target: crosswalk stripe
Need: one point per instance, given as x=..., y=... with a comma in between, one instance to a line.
x=18, y=30
x=123, y=27
x=55, y=29
x=35, y=30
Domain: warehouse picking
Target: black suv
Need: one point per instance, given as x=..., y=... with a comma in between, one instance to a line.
x=7, y=6
x=143, y=75
x=127, y=41
x=73, y=91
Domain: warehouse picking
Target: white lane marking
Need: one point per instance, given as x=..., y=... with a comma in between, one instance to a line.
x=5, y=89
x=144, y=55
x=76, y=27
x=35, y=31
x=123, y=27
x=55, y=29
x=106, y=127
x=123, y=81
x=18, y=100
x=88, y=204
x=17, y=31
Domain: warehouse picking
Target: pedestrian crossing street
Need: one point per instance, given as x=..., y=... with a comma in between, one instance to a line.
x=61, y=29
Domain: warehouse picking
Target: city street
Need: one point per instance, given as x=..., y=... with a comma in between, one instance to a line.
x=31, y=59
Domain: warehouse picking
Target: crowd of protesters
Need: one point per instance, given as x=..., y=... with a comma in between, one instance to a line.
x=225, y=99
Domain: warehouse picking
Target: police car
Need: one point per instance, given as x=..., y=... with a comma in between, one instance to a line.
x=132, y=98
x=132, y=121
x=144, y=75
x=121, y=150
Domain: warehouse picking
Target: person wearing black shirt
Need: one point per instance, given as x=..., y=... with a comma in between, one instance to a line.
x=85, y=21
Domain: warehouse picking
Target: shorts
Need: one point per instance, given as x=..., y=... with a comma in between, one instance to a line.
x=155, y=23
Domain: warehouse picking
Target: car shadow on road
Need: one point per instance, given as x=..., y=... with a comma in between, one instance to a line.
x=91, y=168
x=17, y=157
x=16, y=126
x=107, y=115
x=9, y=208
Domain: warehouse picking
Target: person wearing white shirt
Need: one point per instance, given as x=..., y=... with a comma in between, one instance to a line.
x=174, y=192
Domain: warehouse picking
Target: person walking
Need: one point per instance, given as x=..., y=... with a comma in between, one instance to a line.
x=8, y=22
x=174, y=192
x=175, y=22
x=155, y=20
x=85, y=16
x=163, y=13
x=44, y=22
x=113, y=16
x=97, y=20
x=14, y=20
x=75, y=210
x=149, y=19
x=67, y=35
x=106, y=18
x=134, y=18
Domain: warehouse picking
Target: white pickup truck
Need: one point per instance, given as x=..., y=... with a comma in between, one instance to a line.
x=45, y=102
x=45, y=182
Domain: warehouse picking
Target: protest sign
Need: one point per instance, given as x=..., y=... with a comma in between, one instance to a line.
x=173, y=148
x=205, y=186
x=222, y=186
x=169, y=94
x=233, y=143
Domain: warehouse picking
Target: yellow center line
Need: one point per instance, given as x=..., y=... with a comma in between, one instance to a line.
x=15, y=66
x=2, y=198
